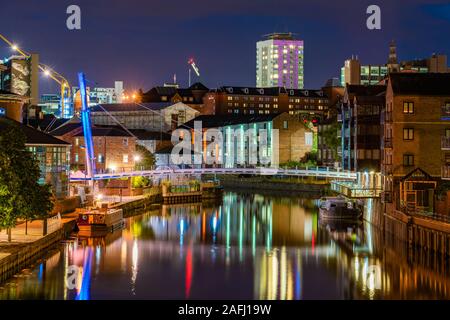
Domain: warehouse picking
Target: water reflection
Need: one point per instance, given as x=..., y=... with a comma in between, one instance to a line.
x=247, y=247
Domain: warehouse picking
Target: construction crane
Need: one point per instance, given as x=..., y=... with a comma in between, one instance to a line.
x=191, y=62
x=65, y=87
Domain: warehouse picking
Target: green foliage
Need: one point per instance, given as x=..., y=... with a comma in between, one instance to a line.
x=140, y=182
x=21, y=196
x=331, y=139
x=147, y=159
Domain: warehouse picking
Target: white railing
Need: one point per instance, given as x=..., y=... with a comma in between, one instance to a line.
x=54, y=223
x=325, y=172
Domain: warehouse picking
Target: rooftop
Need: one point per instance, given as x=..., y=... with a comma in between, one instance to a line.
x=33, y=136
x=123, y=107
x=427, y=84
x=214, y=121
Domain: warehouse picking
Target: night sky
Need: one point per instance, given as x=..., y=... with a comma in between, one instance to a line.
x=144, y=43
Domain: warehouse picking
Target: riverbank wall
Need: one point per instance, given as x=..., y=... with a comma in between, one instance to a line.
x=24, y=254
x=264, y=184
x=418, y=232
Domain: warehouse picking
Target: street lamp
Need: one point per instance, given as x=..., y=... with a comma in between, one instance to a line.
x=14, y=47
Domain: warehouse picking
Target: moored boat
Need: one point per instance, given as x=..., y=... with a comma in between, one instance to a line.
x=338, y=208
x=100, y=220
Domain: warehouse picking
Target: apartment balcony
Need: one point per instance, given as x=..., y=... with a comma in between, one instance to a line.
x=388, y=143
x=445, y=112
x=445, y=143
x=388, y=117
x=386, y=197
x=388, y=169
x=445, y=175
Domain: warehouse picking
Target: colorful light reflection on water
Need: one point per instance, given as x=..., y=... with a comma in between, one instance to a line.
x=247, y=247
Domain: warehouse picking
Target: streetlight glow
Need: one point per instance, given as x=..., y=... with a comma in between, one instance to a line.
x=137, y=158
x=14, y=47
x=46, y=73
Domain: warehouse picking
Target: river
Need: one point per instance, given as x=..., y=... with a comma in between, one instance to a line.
x=247, y=246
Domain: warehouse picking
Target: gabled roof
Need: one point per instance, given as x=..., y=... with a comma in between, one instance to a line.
x=126, y=107
x=214, y=121
x=68, y=126
x=417, y=173
x=253, y=91
x=428, y=84
x=33, y=136
x=198, y=86
x=106, y=132
x=142, y=134
x=48, y=123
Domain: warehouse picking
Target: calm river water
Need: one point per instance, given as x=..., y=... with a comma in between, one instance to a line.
x=249, y=246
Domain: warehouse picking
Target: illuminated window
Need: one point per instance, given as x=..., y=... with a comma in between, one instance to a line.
x=125, y=142
x=125, y=158
x=77, y=141
x=76, y=157
x=408, y=107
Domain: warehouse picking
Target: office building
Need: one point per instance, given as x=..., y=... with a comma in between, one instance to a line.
x=279, y=61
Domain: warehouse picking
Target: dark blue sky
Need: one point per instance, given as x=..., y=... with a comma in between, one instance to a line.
x=145, y=42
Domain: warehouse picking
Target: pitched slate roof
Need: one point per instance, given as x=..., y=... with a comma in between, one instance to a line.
x=106, y=132
x=428, y=84
x=142, y=134
x=124, y=107
x=214, y=121
x=33, y=136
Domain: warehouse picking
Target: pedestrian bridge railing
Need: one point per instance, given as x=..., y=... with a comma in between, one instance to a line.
x=320, y=172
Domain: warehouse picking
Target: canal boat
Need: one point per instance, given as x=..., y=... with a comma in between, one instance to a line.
x=338, y=208
x=100, y=220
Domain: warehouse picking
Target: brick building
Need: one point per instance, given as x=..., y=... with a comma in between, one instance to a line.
x=114, y=148
x=416, y=138
x=258, y=101
x=361, y=130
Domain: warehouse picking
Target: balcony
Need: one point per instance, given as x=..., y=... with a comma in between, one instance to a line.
x=446, y=172
x=388, y=117
x=388, y=169
x=388, y=143
x=386, y=197
x=445, y=143
x=445, y=112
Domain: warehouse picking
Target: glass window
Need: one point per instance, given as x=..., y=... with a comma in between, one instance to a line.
x=408, y=107
x=408, y=134
x=285, y=124
x=125, y=158
x=408, y=160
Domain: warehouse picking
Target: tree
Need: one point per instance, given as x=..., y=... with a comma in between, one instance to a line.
x=331, y=139
x=146, y=160
x=21, y=196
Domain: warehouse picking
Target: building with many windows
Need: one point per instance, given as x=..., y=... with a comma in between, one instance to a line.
x=272, y=139
x=416, y=144
x=279, y=61
x=52, y=153
x=361, y=131
x=257, y=101
x=354, y=73
x=114, y=148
